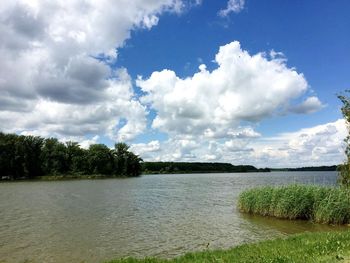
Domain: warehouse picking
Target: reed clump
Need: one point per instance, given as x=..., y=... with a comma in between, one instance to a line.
x=329, y=205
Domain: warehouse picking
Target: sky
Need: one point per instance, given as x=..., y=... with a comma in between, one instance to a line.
x=239, y=81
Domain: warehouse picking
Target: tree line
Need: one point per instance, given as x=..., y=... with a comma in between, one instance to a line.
x=28, y=157
x=322, y=168
x=197, y=167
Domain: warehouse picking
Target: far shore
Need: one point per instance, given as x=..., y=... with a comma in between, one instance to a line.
x=60, y=177
x=67, y=178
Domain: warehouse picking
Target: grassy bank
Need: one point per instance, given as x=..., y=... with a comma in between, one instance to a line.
x=60, y=177
x=76, y=177
x=308, y=247
x=329, y=205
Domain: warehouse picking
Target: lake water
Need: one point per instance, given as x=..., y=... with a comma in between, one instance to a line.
x=154, y=215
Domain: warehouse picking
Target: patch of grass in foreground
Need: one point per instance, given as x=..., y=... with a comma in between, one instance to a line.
x=330, y=205
x=308, y=247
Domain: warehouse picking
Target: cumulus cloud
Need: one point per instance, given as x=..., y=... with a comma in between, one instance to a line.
x=236, y=145
x=310, y=105
x=243, y=87
x=234, y=6
x=50, y=78
x=85, y=143
x=314, y=146
x=55, y=118
x=146, y=149
x=247, y=132
x=56, y=80
x=319, y=145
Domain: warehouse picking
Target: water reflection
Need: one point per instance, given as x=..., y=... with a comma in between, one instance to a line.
x=289, y=227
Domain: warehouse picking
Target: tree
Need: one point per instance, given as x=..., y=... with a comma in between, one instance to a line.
x=32, y=153
x=344, y=169
x=127, y=163
x=120, y=153
x=133, y=164
x=54, y=158
x=100, y=159
x=26, y=157
x=76, y=158
x=9, y=155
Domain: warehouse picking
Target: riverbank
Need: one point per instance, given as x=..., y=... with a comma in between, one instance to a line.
x=308, y=247
x=329, y=205
x=69, y=177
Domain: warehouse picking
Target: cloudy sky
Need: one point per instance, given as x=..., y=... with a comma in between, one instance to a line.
x=239, y=81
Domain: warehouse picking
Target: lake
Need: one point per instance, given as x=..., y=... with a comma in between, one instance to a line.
x=154, y=215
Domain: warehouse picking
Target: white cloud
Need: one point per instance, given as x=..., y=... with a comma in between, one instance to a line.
x=310, y=105
x=146, y=149
x=237, y=145
x=85, y=144
x=247, y=132
x=50, y=81
x=59, y=119
x=243, y=87
x=315, y=146
x=234, y=6
x=319, y=145
x=52, y=84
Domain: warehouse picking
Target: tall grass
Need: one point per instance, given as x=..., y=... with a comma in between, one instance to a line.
x=328, y=205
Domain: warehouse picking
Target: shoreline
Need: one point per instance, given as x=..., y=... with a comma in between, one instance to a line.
x=101, y=177
x=67, y=178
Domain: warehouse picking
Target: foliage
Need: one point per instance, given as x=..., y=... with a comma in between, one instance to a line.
x=320, y=204
x=304, y=248
x=100, y=159
x=344, y=170
x=53, y=157
x=27, y=157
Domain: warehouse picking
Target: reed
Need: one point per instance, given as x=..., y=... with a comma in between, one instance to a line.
x=330, y=205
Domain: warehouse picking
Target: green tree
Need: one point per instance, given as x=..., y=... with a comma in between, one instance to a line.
x=76, y=158
x=54, y=157
x=32, y=156
x=8, y=155
x=127, y=163
x=100, y=159
x=344, y=169
x=120, y=153
x=133, y=164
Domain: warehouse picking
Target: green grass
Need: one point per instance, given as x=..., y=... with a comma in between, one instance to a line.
x=308, y=247
x=328, y=205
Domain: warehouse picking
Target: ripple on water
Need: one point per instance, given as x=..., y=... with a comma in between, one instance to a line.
x=155, y=215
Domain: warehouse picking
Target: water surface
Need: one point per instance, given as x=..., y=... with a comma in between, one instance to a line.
x=154, y=215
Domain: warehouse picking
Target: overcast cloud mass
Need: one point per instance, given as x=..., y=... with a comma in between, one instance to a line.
x=57, y=79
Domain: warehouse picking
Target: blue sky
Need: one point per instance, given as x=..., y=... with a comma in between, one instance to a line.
x=314, y=36
x=266, y=109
